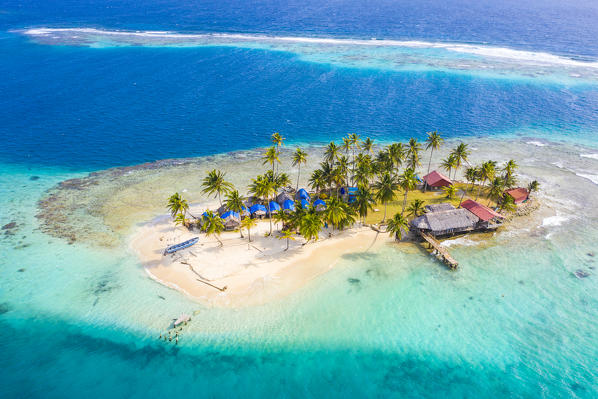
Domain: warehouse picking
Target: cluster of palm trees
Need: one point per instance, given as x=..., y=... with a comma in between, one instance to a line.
x=375, y=178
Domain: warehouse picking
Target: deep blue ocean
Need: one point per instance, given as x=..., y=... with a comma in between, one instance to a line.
x=68, y=108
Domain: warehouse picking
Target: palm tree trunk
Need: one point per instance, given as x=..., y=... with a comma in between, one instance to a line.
x=404, y=201
x=384, y=218
x=249, y=234
x=298, y=175
x=480, y=189
x=287, y=245
x=219, y=200
x=429, y=165
x=270, y=215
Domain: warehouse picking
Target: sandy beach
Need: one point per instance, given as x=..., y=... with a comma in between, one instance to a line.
x=253, y=273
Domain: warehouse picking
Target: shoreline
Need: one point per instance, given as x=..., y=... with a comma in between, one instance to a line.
x=253, y=274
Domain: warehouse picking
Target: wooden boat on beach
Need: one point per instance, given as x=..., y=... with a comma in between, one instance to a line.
x=182, y=245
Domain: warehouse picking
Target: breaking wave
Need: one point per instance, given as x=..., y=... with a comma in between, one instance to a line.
x=378, y=53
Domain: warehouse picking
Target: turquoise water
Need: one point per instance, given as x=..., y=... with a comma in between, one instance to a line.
x=513, y=321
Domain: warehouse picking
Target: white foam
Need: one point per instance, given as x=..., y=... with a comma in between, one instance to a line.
x=536, y=143
x=592, y=156
x=461, y=241
x=590, y=177
x=521, y=56
x=554, y=221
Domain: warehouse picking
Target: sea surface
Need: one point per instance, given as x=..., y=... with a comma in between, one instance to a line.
x=92, y=85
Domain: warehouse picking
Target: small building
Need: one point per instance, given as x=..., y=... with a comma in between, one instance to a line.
x=231, y=220
x=320, y=205
x=519, y=194
x=274, y=207
x=485, y=214
x=288, y=206
x=283, y=197
x=257, y=210
x=302, y=194
x=437, y=180
x=445, y=222
x=445, y=206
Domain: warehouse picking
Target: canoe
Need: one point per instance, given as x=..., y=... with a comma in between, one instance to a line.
x=182, y=245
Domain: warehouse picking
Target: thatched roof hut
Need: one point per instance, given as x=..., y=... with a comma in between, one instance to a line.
x=445, y=206
x=282, y=197
x=446, y=222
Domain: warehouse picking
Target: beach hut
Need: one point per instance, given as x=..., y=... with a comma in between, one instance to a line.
x=304, y=203
x=319, y=204
x=274, y=207
x=288, y=206
x=437, y=180
x=231, y=220
x=485, y=214
x=223, y=209
x=283, y=197
x=445, y=206
x=445, y=222
x=519, y=194
x=302, y=194
x=257, y=210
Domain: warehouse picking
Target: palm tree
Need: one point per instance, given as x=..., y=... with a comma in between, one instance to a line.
x=334, y=212
x=367, y=145
x=383, y=162
x=354, y=140
x=263, y=187
x=248, y=223
x=271, y=157
x=533, y=186
x=331, y=153
x=450, y=191
x=280, y=217
x=364, y=201
x=487, y=171
x=277, y=140
x=214, y=184
x=342, y=164
x=413, y=153
x=213, y=225
x=310, y=226
x=317, y=181
x=508, y=204
x=286, y=235
x=433, y=142
x=281, y=180
x=234, y=202
x=385, y=189
x=397, y=225
x=496, y=190
x=407, y=181
x=416, y=208
x=449, y=164
x=299, y=157
x=180, y=220
x=177, y=204
x=396, y=152
x=510, y=168
x=460, y=153
x=471, y=174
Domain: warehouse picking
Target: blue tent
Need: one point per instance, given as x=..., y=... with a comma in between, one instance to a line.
x=288, y=205
x=205, y=214
x=349, y=190
x=302, y=194
x=229, y=214
x=274, y=207
x=304, y=203
x=319, y=204
x=257, y=208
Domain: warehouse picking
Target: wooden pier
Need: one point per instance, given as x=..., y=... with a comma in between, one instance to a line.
x=441, y=251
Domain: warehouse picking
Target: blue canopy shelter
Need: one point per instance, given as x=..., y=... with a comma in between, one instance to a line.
x=288, y=205
x=349, y=190
x=319, y=204
x=257, y=209
x=302, y=194
x=228, y=214
x=274, y=207
x=304, y=203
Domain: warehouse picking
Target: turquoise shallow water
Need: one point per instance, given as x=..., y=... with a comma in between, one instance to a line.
x=513, y=321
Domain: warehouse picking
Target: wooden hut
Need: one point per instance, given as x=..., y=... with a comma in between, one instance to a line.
x=437, y=180
x=445, y=222
x=519, y=194
x=485, y=214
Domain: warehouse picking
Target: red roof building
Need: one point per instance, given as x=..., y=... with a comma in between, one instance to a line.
x=483, y=212
x=437, y=179
x=519, y=194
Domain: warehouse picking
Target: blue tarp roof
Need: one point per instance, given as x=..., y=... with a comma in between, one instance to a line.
x=205, y=214
x=319, y=202
x=303, y=194
x=230, y=213
x=288, y=205
x=274, y=206
x=304, y=203
x=350, y=190
x=257, y=207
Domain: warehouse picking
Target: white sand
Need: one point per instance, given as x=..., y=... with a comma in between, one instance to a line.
x=253, y=273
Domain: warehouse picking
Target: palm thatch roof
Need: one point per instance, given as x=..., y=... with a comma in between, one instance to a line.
x=445, y=206
x=445, y=221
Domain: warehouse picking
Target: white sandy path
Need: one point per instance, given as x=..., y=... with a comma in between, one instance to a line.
x=253, y=274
